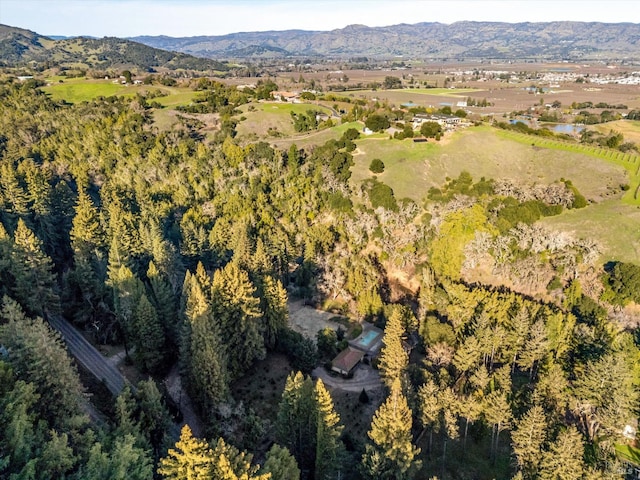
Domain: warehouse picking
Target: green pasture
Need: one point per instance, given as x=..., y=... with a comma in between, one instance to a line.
x=615, y=225
x=272, y=115
x=629, y=161
x=176, y=97
x=317, y=137
x=84, y=91
x=412, y=168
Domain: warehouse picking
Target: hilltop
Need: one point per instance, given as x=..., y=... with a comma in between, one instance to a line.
x=460, y=40
x=19, y=47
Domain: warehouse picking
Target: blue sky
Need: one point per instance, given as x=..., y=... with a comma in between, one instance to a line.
x=124, y=18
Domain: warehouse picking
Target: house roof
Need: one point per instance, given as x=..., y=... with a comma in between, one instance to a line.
x=347, y=359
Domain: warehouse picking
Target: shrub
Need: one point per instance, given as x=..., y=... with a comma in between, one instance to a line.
x=363, y=398
x=376, y=166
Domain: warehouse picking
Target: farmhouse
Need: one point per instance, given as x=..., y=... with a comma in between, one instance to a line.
x=285, y=96
x=446, y=121
x=346, y=361
x=367, y=344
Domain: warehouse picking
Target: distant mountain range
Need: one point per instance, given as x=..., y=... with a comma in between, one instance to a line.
x=21, y=47
x=460, y=40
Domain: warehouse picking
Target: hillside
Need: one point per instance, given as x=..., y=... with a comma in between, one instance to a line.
x=460, y=40
x=19, y=46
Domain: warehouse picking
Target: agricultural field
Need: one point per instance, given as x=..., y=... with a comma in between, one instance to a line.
x=80, y=90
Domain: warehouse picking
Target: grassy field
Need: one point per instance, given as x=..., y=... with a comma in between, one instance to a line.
x=612, y=223
x=79, y=90
x=272, y=115
x=412, y=168
x=176, y=97
x=629, y=161
x=629, y=128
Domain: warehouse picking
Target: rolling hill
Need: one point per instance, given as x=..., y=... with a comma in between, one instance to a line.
x=460, y=40
x=20, y=47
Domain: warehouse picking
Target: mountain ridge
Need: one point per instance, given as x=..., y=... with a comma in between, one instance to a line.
x=467, y=39
x=19, y=46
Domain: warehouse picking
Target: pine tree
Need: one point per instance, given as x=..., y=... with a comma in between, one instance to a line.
x=497, y=412
x=12, y=194
x=229, y=463
x=203, y=355
x=123, y=416
x=153, y=417
x=276, y=312
x=329, y=448
x=39, y=357
x=33, y=272
x=190, y=459
x=129, y=461
x=391, y=454
x=429, y=409
x=281, y=464
x=235, y=308
x=6, y=245
x=87, y=234
x=528, y=438
x=149, y=337
x=127, y=290
x=17, y=422
x=296, y=424
x=393, y=357
x=164, y=302
x=563, y=460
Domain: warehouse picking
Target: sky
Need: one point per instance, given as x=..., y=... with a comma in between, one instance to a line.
x=184, y=18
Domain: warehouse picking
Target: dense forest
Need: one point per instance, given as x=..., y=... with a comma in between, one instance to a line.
x=186, y=249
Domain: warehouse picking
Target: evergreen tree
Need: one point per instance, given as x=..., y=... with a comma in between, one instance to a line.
x=153, y=417
x=235, y=308
x=33, y=272
x=6, y=280
x=127, y=291
x=149, y=337
x=17, y=422
x=429, y=409
x=393, y=357
x=87, y=234
x=281, y=464
x=296, y=424
x=275, y=309
x=39, y=357
x=228, y=463
x=204, y=359
x=391, y=454
x=190, y=459
x=528, y=438
x=329, y=448
x=563, y=460
x=497, y=412
x=164, y=301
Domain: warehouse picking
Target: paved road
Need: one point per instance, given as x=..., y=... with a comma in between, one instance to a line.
x=88, y=356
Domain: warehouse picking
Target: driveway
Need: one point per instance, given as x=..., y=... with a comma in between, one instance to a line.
x=363, y=377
